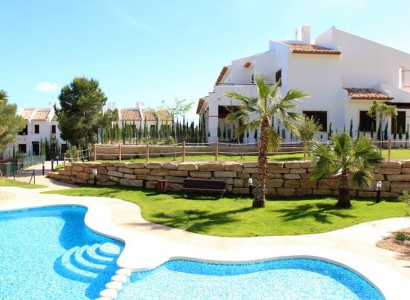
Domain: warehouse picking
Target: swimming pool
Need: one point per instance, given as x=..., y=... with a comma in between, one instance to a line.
x=49, y=253
x=295, y=278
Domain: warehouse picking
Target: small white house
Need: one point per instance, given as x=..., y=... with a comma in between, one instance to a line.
x=342, y=72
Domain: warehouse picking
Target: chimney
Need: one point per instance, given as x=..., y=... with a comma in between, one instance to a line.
x=139, y=105
x=303, y=34
x=306, y=34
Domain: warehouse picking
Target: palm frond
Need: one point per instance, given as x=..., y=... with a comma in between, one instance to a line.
x=274, y=139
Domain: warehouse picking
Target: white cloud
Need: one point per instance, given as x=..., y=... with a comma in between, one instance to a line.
x=47, y=87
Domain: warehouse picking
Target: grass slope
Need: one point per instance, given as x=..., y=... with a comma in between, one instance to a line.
x=234, y=217
x=9, y=182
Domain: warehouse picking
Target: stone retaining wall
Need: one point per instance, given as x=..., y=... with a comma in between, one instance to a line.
x=287, y=179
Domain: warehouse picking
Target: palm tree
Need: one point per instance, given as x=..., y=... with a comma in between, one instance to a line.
x=352, y=161
x=266, y=105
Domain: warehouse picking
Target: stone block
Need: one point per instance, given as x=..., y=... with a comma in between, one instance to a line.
x=142, y=171
x=139, y=165
x=115, y=179
x=274, y=183
x=102, y=170
x=178, y=173
x=405, y=164
x=304, y=192
x=106, y=183
x=250, y=164
x=392, y=164
x=81, y=181
x=239, y=183
x=389, y=171
x=131, y=182
x=405, y=170
x=401, y=177
x=274, y=175
x=271, y=192
x=115, y=173
x=126, y=170
x=275, y=164
x=211, y=167
x=103, y=178
x=112, y=168
x=83, y=176
x=170, y=166
x=150, y=184
x=175, y=179
x=187, y=166
x=200, y=174
x=306, y=164
x=232, y=166
x=292, y=183
x=329, y=183
x=77, y=168
x=285, y=192
x=223, y=174
x=159, y=172
x=149, y=177
x=250, y=170
x=298, y=171
x=322, y=192
x=153, y=165
x=291, y=176
x=130, y=176
x=292, y=165
x=399, y=187
x=120, y=164
x=308, y=184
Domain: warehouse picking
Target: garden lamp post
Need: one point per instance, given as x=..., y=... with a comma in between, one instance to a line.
x=378, y=190
x=95, y=176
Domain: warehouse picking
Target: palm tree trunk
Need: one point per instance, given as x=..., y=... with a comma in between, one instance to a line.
x=344, y=191
x=260, y=190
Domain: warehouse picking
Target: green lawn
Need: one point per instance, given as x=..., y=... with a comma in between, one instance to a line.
x=9, y=182
x=234, y=217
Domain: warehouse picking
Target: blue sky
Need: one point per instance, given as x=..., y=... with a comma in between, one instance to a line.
x=157, y=50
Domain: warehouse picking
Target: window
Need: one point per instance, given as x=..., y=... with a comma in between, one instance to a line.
x=366, y=122
x=401, y=122
x=53, y=128
x=24, y=131
x=319, y=116
x=22, y=148
x=36, y=129
x=278, y=75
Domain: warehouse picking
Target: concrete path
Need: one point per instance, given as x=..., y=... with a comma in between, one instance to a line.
x=148, y=245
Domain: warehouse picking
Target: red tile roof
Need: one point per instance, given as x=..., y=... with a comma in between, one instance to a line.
x=40, y=115
x=221, y=75
x=200, y=104
x=149, y=116
x=26, y=113
x=312, y=49
x=130, y=114
x=366, y=94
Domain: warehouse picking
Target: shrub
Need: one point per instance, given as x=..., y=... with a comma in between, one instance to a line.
x=401, y=236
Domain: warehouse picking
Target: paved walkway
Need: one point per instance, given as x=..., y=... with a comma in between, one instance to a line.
x=148, y=245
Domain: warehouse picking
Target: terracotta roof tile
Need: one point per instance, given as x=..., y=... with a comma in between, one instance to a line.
x=221, y=75
x=130, y=114
x=149, y=116
x=366, y=94
x=40, y=115
x=200, y=104
x=311, y=49
x=26, y=113
x=164, y=115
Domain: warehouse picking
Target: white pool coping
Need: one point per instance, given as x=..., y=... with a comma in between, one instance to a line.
x=148, y=245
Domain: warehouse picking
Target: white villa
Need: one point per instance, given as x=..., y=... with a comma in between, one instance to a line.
x=343, y=74
x=42, y=125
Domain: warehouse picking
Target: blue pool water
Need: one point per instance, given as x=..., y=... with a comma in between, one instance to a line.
x=49, y=253
x=277, y=279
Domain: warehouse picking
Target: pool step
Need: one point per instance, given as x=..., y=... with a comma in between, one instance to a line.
x=87, y=262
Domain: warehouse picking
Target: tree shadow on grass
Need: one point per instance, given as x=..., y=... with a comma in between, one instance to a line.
x=199, y=220
x=320, y=212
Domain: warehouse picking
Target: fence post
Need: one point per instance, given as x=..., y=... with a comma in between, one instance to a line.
x=389, y=150
x=216, y=151
x=304, y=149
x=119, y=152
x=78, y=156
x=95, y=152
x=147, y=153
x=64, y=159
x=183, y=151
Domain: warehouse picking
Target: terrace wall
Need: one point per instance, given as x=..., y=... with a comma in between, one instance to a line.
x=288, y=179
